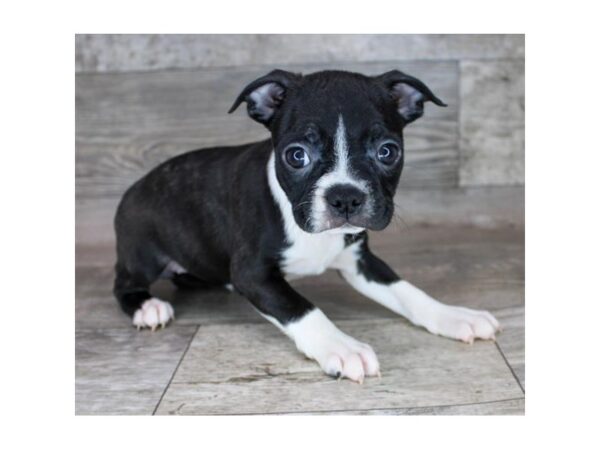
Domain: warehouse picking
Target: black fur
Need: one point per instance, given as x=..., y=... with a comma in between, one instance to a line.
x=371, y=267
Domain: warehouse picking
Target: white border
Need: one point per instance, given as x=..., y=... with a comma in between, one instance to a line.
x=562, y=224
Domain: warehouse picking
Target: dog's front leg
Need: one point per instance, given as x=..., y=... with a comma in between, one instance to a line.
x=338, y=354
x=373, y=278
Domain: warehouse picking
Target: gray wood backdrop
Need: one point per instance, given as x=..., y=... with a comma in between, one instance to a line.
x=143, y=98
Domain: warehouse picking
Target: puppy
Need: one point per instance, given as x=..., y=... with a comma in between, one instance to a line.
x=254, y=216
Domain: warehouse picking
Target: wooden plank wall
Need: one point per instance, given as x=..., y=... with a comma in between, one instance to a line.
x=126, y=123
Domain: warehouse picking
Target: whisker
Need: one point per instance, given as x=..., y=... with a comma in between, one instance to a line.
x=397, y=217
x=301, y=204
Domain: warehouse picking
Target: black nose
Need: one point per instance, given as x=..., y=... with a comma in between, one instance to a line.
x=345, y=199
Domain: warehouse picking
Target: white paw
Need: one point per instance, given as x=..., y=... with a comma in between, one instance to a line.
x=342, y=356
x=338, y=354
x=154, y=312
x=464, y=324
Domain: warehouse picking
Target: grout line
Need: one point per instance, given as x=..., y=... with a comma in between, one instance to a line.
x=460, y=113
x=408, y=408
x=176, y=369
x=96, y=327
x=509, y=366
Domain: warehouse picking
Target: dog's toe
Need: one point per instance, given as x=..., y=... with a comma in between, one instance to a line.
x=338, y=354
x=466, y=324
x=153, y=313
x=348, y=358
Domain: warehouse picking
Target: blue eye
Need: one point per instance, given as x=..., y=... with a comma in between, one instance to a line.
x=297, y=157
x=388, y=153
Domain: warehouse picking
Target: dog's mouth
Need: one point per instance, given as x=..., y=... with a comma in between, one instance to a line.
x=339, y=225
x=346, y=228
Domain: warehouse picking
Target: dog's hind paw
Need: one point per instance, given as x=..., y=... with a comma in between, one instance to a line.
x=154, y=312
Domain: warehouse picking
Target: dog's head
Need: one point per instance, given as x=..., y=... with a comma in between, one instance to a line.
x=338, y=144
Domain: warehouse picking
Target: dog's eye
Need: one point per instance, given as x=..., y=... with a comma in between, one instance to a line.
x=388, y=153
x=297, y=157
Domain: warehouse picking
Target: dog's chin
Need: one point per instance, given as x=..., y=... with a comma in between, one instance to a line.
x=341, y=226
x=344, y=229
x=356, y=225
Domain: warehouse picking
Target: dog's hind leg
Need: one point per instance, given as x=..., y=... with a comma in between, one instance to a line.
x=189, y=281
x=132, y=290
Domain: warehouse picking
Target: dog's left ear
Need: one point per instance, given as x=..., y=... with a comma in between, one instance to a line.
x=409, y=93
x=265, y=95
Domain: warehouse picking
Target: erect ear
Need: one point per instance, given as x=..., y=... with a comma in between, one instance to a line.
x=409, y=93
x=264, y=96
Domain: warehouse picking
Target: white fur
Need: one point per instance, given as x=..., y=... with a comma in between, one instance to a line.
x=173, y=267
x=341, y=174
x=263, y=97
x=407, y=300
x=337, y=353
x=308, y=253
x=154, y=312
x=311, y=254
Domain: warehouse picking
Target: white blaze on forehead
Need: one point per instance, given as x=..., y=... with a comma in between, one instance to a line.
x=340, y=145
x=342, y=170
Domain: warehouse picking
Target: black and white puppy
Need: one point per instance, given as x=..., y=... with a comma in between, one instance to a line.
x=257, y=215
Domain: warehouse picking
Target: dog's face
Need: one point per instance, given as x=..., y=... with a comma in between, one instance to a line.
x=338, y=143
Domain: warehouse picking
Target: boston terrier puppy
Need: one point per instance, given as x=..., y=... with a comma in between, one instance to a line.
x=252, y=217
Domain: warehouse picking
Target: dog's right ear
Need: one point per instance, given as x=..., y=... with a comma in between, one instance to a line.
x=264, y=95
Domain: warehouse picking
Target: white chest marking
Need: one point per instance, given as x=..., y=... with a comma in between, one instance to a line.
x=309, y=253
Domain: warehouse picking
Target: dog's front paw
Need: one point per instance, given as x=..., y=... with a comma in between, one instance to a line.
x=338, y=354
x=465, y=324
x=344, y=357
x=154, y=312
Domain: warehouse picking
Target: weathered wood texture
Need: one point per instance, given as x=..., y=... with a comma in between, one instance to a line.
x=513, y=407
x=122, y=371
x=492, y=122
x=128, y=123
x=123, y=53
x=160, y=115
x=512, y=340
x=222, y=374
